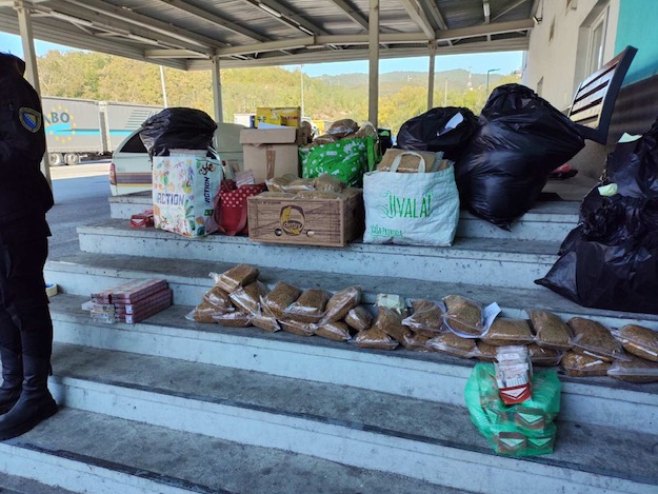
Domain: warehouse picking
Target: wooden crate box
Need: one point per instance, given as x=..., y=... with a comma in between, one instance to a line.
x=318, y=221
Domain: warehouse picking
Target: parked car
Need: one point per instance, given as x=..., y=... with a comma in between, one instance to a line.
x=130, y=169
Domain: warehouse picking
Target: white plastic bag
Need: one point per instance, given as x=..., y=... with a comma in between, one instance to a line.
x=411, y=208
x=184, y=188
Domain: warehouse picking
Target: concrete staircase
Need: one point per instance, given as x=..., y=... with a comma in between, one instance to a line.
x=172, y=406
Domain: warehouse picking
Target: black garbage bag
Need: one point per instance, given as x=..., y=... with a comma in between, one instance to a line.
x=428, y=132
x=177, y=128
x=520, y=140
x=610, y=260
x=633, y=166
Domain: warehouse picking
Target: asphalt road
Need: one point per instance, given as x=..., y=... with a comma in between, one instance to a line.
x=80, y=199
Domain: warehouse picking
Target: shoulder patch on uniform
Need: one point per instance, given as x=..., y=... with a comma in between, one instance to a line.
x=30, y=119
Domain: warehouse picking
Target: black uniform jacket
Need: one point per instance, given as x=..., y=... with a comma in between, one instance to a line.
x=24, y=192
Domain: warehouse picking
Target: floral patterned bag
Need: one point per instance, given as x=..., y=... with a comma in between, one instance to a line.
x=184, y=188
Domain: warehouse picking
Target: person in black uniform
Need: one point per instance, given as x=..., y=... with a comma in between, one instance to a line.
x=26, y=331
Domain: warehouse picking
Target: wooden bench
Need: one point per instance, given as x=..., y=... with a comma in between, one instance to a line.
x=595, y=98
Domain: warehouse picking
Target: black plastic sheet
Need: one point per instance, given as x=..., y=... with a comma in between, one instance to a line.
x=610, y=261
x=177, y=128
x=427, y=132
x=520, y=140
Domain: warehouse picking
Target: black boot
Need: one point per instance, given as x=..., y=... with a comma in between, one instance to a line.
x=35, y=403
x=12, y=379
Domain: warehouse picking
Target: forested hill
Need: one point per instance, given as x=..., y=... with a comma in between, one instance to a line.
x=402, y=94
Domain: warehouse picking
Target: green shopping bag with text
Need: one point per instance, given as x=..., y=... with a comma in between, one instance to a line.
x=411, y=208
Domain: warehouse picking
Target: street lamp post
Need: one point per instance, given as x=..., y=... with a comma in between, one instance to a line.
x=301, y=85
x=489, y=72
x=164, y=87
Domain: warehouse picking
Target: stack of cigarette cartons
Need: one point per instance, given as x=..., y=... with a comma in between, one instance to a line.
x=131, y=302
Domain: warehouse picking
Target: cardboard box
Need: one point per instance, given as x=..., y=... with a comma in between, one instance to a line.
x=410, y=160
x=270, y=152
x=268, y=118
x=324, y=222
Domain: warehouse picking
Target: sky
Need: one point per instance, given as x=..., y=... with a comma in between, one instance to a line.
x=506, y=62
x=12, y=44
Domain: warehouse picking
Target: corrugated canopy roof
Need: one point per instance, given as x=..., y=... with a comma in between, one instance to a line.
x=187, y=33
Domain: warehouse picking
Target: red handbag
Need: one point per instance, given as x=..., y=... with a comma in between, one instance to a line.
x=231, y=206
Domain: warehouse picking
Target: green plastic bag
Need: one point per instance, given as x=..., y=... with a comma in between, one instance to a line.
x=524, y=429
x=346, y=159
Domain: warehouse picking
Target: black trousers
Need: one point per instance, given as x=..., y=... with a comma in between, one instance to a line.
x=25, y=324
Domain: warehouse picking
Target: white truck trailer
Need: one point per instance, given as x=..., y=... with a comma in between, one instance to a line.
x=77, y=128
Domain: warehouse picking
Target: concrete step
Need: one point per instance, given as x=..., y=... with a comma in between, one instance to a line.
x=94, y=453
x=424, y=376
x=123, y=207
x=81, y=274
x=548, y=220
x=427, y=441
x=11, y=484
x=508, y=263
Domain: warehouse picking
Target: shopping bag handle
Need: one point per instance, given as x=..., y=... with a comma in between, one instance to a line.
x=398, y=159
x=227, y=171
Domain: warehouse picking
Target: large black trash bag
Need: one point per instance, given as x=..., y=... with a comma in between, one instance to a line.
x=633, y=166
x=520, y=140
x=177, y=128
x=610, y=260
x=427, y=132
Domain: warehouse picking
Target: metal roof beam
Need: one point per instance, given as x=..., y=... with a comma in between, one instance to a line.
x=486, y=29
x=160, y=53
x=294, y=15
x=77, y=39
x=417, y=14
x=287, y=16
x=435, y=12
x=215, y=19
x=511, y=6
x=432, y=7
x=104, y=9
x=286, y=44
x=316, y=56
x=95, y=28
x=449, y=34
x=92, y=20
x=534, y=8
x=352, y=12
x=362, y=39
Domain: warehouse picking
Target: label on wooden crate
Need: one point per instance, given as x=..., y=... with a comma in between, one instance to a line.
x=291, y=220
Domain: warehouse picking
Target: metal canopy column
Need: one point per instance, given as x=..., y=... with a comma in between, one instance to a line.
x=31, y=69
x=217, y=90
x=373, y=70
x=430, y=80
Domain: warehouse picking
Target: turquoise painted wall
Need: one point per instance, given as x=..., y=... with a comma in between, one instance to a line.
x=638, y=26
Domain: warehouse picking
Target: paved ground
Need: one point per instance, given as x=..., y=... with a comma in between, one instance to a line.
x=81, y=194
x=87, y=169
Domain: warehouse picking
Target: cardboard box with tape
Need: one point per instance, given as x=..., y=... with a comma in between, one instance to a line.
x=270, y=153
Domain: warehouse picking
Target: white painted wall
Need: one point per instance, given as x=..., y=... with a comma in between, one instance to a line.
x=559, y=60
